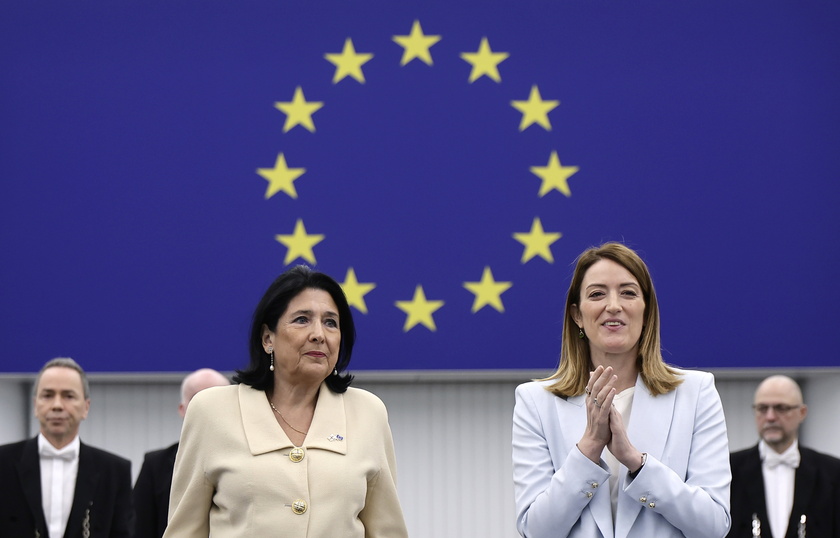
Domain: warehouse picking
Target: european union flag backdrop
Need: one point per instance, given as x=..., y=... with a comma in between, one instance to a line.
x=163, y=162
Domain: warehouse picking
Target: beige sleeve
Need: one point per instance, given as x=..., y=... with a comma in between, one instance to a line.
x=382, y=515
x=191, y=495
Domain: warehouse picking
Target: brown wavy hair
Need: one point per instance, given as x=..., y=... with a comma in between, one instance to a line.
x=572, y=374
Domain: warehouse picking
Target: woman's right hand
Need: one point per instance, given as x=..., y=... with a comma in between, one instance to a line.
x=600, y=393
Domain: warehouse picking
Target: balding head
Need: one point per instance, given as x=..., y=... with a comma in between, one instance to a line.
x=779, y=410
x=196, y=382
x=781, y=386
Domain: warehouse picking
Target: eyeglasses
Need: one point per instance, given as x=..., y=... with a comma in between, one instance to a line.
x=779, y=409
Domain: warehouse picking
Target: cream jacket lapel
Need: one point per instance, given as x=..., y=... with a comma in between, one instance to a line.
x=261, y=431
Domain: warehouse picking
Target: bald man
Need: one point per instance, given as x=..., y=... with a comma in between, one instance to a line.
x=151, y=491
x=779, y=488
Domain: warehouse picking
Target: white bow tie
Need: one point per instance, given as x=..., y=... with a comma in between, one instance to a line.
x=773, y=459
x=66, y=454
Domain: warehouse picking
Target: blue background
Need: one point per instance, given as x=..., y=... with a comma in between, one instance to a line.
x=135, y=235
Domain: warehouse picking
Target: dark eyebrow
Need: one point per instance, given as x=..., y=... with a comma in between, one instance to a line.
x=310, y=313
x=623, y=284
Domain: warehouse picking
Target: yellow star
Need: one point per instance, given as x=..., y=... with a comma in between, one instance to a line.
x=280, y=178
x=348, y=62
x=537, y=242
x=356, y=291
x=298, y=111
x=535, y=110
x=488, y=291
x=299, y=244
x=554, y=176
x=484, y=61
x=416, y=44
x=419, y=310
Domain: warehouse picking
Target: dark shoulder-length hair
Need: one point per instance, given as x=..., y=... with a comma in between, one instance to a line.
x=268, y=312
x=575, y=361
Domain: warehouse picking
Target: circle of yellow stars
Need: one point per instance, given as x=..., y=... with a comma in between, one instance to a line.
x=417, y=45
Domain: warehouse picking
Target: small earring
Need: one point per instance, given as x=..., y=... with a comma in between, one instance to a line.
x=335, y=371
x=580, y=333
x=271, y=352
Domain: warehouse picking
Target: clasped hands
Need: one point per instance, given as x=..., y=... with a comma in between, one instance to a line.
x=604, y=426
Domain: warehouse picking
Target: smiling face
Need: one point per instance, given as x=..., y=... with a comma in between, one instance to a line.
x=60, y=404
x=307, y=338
x=611, y=311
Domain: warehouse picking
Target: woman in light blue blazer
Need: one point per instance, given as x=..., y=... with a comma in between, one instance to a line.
x=616, y=443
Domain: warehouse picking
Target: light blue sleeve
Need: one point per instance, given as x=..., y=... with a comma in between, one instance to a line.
x=553, y=486
x=699, y=505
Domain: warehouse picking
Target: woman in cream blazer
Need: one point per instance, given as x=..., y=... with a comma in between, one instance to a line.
x=291, y=451
x=616, y=443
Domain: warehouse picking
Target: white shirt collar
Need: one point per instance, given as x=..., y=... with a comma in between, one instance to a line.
x=791, y=454
x=71, y=448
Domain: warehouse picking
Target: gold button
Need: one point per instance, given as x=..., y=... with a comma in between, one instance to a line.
x=296, y=455
x=643, y=499
x=594, y=484
x=299, y=506
x=589, y=494
x=652, y=505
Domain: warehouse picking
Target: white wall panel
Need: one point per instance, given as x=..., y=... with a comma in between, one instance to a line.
x=453, y=445
x=822, y=426
x=15, y=409
x=737, y=397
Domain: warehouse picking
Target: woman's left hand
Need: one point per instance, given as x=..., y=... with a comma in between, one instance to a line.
x=620, y=445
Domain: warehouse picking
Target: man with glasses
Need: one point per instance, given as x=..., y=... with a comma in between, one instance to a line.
x=779, y=488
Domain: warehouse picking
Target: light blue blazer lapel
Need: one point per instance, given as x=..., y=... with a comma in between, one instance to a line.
x=600, y=506
x=650, y=423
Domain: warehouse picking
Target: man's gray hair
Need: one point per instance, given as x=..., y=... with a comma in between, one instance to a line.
x=63, y=362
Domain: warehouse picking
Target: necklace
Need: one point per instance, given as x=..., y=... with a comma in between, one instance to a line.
x=284, y=418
